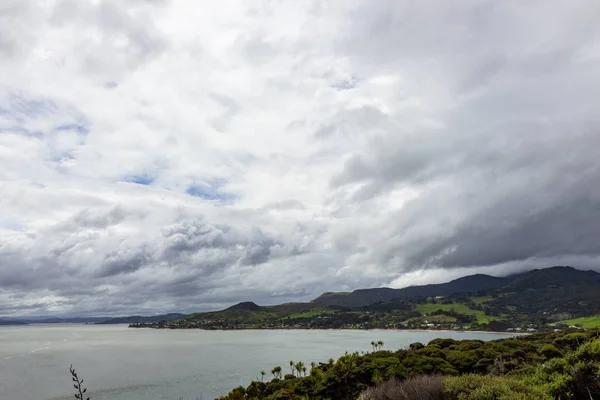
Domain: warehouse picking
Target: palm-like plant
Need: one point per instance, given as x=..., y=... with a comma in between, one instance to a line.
x=276, y=372
x=380, y=344
x=299, y=367
x=292, y=366
x=262, y=376
x=373, y=344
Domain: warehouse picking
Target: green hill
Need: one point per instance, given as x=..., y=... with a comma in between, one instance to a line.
x=534, y=300
x=365, y=297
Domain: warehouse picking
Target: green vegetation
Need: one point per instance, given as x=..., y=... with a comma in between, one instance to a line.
x=481, y=300
x=538, y=300
x=482, y=317
x=315, y=312
x=584, y=322
x=542, y=366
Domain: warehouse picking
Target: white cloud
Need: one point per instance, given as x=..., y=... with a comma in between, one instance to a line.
x=294, y=147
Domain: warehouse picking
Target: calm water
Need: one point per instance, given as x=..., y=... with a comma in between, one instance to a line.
x=119, y=363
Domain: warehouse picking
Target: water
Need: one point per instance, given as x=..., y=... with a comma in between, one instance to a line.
x=120, y=363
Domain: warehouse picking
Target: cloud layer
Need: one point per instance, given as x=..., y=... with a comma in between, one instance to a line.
x=173, y=156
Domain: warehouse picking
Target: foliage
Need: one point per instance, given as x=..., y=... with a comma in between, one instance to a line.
x=584, y=322
x=539, y=366
x=456, y=309
x=488, y=387
x=77, y=384
x=531, y=301
x=421, y=387
x=549, y=351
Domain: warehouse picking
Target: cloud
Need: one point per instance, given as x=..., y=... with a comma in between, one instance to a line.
x=170, y=156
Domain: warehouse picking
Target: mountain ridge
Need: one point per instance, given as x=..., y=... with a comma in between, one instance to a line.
x=530, y=300
x=466, y=284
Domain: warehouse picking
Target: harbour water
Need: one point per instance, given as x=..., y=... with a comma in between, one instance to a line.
x=119, y=363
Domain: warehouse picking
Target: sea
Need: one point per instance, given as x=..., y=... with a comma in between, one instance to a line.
x=121, y=363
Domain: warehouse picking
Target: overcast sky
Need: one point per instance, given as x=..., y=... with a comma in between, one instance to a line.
x=186, y=155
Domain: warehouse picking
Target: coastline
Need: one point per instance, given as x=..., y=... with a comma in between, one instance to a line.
x=345, y=329
x=462, y=331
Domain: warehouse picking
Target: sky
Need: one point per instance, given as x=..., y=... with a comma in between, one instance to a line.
x=161, y=156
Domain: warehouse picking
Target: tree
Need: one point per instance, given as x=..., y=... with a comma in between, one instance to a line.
x=262, y=376
x=292, y=366
x=299, y=366
x=276, y=372
x=380, y=344
x=373, y=344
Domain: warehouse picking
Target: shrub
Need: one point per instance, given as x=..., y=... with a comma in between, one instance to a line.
x=442, y=343
x=283, y=394
x=422, y=387
x=487, y=387
x=549, y=351
x=575, y=376
x=572, y=340
x=416, y=346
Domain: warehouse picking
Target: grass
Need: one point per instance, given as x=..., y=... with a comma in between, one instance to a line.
x=243, y=315
x=584, y=322
x=482, y=317
x=441, y=318
x=278, y=312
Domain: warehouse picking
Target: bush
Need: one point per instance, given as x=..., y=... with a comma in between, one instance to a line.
x=529, y=367
x=416, y=346
x=572, y=340
x=422, y=387
x=442, y=343
x=549, y=351
x=575, y=376
x=487, y=387
x=283, y=394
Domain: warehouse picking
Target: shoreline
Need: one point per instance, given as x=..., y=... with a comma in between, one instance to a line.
x=461, y=331
x=342, y=329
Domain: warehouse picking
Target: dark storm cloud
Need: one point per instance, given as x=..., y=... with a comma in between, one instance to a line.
x=117, y=262
x=511, y=192
x=509, y=172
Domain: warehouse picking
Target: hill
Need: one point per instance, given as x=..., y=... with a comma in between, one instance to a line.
x=534, y=300
x=365, y=297
x=92, y=320
x=136, y=319
x=11, y=322
x=56, y=320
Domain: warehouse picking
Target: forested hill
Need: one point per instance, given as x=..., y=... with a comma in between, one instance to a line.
x=543, y=299
x=531, y=280
x=365, y=297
